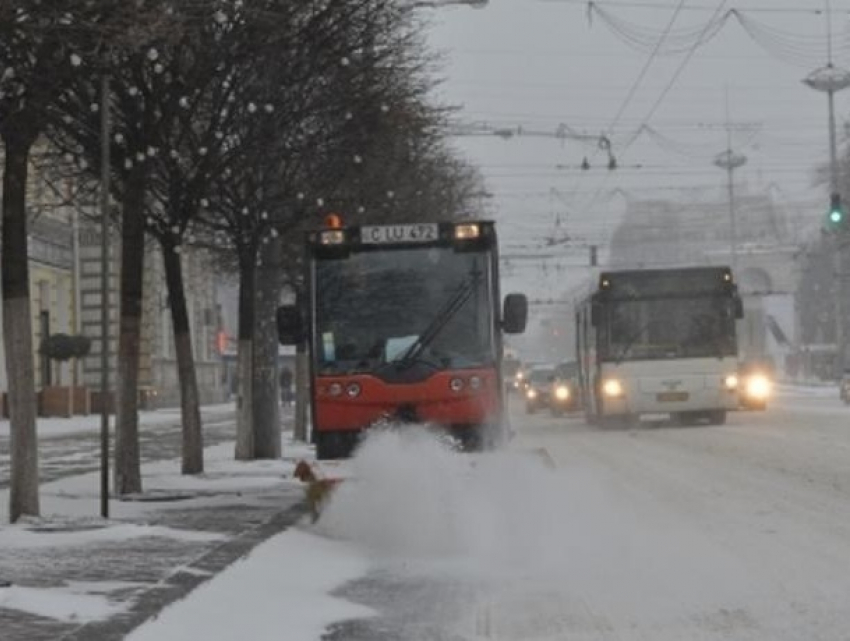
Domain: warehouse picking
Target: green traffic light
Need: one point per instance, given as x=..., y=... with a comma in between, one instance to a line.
x=835, y=216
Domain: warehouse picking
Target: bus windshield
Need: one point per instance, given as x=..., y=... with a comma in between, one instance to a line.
x=375, y=307
x=690, y=327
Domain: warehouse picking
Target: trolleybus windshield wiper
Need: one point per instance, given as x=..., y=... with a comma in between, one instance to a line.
x=440, y=320
x=632, y=340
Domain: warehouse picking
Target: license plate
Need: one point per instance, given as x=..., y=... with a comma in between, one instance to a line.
x=383, y=234
x=671, y=397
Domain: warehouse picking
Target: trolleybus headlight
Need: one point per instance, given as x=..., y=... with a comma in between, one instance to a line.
x=335, y=389
x=758, y=387
x=612, y=388
x=731, y=382
x=456, y=384
x=332, y=237
x=562, y=392
x=475, y=382
x=467, y=231
x=353, y=390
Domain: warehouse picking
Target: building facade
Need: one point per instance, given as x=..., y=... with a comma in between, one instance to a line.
x=65, y=293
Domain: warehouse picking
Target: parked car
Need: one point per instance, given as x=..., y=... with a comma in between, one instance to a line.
x=538, y=387
x=564, y=395
x=844, y=387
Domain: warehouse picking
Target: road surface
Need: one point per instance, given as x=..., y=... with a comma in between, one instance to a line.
x=656, y=533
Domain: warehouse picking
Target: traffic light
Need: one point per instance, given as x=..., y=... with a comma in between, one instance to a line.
x=836, y=219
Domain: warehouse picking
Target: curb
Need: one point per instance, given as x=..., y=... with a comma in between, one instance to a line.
x=177, y=586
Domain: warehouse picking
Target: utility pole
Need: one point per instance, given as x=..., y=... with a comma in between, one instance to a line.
x=829, y=80
x=730, y=161
x=104, y=294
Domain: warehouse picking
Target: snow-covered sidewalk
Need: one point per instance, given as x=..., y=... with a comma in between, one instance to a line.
x=56, y=427
x=74, y=575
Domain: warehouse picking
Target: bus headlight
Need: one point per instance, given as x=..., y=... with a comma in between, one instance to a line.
x=353, y=390
x=475, y=382
x=758, y=387
x=335, y=389
x=612, y=388
x=562, y=392
x=731, y=382
x=332, y=237
x=456, y=384
x=467, y=231
x=531, y=394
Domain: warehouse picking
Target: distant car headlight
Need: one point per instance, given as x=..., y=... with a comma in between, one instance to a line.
x=758, y=387
x=531, y=393
x=562, y=392
x=612, y=388
x=731, y=382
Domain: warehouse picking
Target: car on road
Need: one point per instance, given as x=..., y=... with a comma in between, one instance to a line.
x=564, y=395
x=538, y=387
x=755, y=384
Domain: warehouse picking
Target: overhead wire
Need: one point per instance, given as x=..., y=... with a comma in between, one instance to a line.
x=665, y=91
x=678, y=72
x=646, y=4
x=647, y=64
x=645, y=38
x=636, y=84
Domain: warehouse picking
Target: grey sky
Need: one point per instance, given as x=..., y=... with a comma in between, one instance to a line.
x=539, y=63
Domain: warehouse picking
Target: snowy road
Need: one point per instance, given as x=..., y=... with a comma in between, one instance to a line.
x=661, y=533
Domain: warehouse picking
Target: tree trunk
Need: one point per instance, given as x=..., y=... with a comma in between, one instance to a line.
x=193, y=439
x=245, y=398
x=17, y=333
x=128, y=473
x=266, y=378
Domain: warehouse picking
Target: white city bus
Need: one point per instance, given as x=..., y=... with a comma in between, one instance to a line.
x=659, y=341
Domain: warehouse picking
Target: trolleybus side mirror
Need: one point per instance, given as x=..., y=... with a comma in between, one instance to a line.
x=515, y=314
x=290, y=329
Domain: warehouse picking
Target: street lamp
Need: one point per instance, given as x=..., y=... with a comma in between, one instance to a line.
x=730, y=161
x=829, y=80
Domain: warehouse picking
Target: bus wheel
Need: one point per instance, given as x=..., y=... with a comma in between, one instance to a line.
x=717, y=417
x=335, y=445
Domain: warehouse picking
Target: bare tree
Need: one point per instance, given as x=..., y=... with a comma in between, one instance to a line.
x=122, y=49
x=36, y=48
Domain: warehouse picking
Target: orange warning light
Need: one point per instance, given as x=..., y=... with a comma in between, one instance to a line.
x=333, y=221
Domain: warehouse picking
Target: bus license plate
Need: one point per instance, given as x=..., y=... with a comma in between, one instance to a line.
x=382, y=234
x=671, y=397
